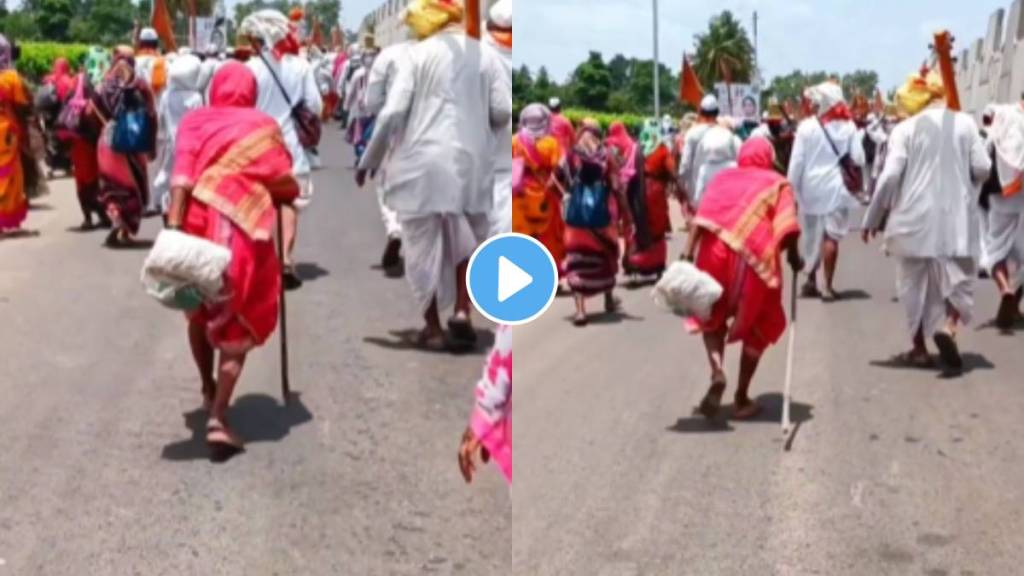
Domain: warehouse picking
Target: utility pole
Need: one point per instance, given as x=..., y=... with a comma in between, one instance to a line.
x=657, y=65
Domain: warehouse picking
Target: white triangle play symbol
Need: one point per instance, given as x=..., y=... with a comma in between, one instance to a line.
x=511, y=279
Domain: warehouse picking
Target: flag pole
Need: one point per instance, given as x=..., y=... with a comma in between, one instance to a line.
x=657, y=65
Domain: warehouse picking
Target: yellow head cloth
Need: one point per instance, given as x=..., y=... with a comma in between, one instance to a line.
x=919, y=92
x=427, y=17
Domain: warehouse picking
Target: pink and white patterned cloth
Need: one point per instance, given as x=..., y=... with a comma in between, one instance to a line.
x=491, y=420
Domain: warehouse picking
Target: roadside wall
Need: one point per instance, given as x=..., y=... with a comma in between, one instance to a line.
x=991, y=69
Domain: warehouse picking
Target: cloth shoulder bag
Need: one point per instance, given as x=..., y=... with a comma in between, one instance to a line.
x=853, y=177
x=307, y=124
x=70, y=117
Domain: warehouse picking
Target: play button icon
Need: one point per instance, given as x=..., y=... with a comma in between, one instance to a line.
x=512, y=279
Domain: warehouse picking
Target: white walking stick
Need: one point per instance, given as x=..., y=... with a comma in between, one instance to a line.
x=787, y=426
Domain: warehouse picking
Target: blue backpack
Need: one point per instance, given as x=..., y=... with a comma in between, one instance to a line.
x=132, y=129
x=588, y=205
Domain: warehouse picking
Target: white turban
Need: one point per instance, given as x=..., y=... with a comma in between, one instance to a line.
x=825, y=96
x=268, y=25
x=148, y=35
x=501, y=14
x=183, y=73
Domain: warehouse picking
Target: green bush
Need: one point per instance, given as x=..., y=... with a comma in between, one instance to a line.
x=634, y=123
x=37, y=58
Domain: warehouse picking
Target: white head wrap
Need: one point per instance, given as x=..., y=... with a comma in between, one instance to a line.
x=825, y=96
x=501, y=14
x=148, y=35
x=268, y=25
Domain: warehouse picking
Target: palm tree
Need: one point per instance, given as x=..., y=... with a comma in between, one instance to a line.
x=724, y=52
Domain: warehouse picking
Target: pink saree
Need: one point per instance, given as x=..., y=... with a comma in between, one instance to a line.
x=491, y=420
x=234, y=159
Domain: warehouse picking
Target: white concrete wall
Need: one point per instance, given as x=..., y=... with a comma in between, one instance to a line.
x=991, y=69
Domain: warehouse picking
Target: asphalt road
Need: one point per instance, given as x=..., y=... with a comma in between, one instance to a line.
x=891, y=471
x=104, y=470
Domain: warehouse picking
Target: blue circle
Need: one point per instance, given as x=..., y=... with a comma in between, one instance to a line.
x=526, y=254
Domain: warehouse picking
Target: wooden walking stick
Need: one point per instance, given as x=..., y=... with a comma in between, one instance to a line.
x=787, y=426
x=286, y=392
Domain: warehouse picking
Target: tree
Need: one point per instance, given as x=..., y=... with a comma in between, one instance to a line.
x=53, y=17
x=592, y=83
x=863, y=82
x=105, y=22
x=543, y=88
x=641, y=86
x=621, y=68
x=328, y=14
x=724, y=52
x=522, y=84
x=20, y=25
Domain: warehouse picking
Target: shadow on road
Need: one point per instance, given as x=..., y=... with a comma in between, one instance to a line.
x=771, y=413
x=972, y=361
x=853, y=295
x=18, y=234
x=405, y=341
x=393, y=271
x=254, y=417
x=606, y=318
x=134, y=246
x=310, y=271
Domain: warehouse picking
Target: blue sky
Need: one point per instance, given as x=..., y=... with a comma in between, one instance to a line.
x=889, y=36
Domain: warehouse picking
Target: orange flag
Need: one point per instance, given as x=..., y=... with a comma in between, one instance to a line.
x=161, y=22
x=690, y=90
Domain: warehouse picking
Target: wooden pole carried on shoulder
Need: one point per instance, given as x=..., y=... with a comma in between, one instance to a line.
x=944, y=52
x=473, y=18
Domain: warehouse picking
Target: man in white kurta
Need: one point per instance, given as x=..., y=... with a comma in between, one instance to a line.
x=378, y=85
x=1004, y=234
x=297, y=80
x=708, y=149
x=444, y=108
x=926, y=200
x=824, y=202
x=499, y=27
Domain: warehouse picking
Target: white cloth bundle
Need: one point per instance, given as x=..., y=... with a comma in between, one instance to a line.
x=178, y=261
x=686, y=290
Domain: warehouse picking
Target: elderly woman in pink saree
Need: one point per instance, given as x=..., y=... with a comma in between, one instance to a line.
x=232, y=169
x=490, y=426
x=747, y=217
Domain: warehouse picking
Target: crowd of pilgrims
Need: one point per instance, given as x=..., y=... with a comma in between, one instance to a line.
x=943, y=191
x=222, y=147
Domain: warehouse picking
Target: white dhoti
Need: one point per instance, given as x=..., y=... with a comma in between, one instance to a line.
x=815, y=228
x=927, y=285
x=392, y=227
x=305, y=191
x=501, y=215
x=1004, y=240
x=434, y=246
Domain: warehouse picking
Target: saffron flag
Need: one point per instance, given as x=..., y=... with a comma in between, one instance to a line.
x=161, y=22
x=690, y=90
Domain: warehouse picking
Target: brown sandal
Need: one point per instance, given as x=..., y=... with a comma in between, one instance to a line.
x=221, y=440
